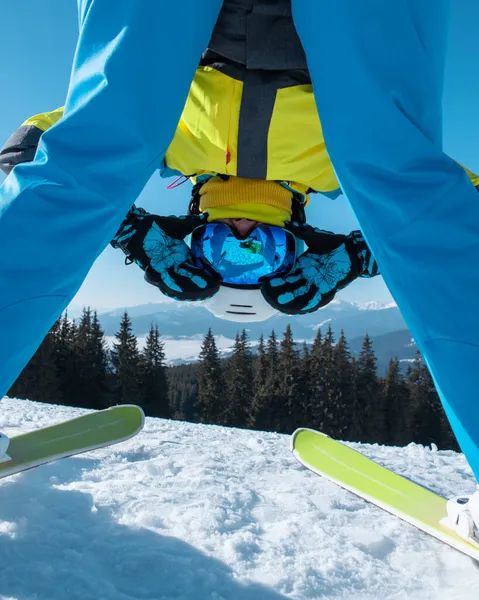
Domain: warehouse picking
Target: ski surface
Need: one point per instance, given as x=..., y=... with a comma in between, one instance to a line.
x=84, y=433
x=364, y=477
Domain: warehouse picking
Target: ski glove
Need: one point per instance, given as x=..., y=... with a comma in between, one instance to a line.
x=330, y=263
x=156, y=244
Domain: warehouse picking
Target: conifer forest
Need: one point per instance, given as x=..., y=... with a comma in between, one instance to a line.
x=267, y=384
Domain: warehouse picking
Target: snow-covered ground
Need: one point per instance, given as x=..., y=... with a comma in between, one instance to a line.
x=192, y=512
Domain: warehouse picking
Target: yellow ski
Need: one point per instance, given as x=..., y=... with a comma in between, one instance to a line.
x=87, y=432
x=376, y=484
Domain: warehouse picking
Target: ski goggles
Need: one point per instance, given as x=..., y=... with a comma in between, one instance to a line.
x=266, y=252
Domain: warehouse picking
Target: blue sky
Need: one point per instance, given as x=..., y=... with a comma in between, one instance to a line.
x=38, y=39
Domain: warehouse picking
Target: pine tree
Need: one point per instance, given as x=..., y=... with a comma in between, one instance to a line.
x=303, y=413
x=153, y=376
x=317, y=399
x=266, y=411
x=39, y=379
x=369, y=394
x=100, y=362
x=396, y=398
x=272, y=354
x=261, y=378
x=260, y=407
x=329, y=382
x=324, y=389
x=287, y=385
x=240, y=388
x=90, y=362
x=125, y=360
x=65, y=334
x=345, y=413
x=428, y=422
x=211, y=390
x=183, y=391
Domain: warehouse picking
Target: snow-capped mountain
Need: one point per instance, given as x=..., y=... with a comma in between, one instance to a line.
x=184, y=320
x=202, y=512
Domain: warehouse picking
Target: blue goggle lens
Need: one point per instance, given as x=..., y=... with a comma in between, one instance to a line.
x=267, y=251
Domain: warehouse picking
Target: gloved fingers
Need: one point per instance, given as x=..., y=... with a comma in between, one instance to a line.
x=321, y=300
x=291, y=289
x=318, y=241
x=366, y=263
x=164, y=281
x=307, y=302
x=183, y=283
x=290, y=302
x=196, y=276
x=290, y=293
x=296, y=277
x=312, y=284
x=179, y=227
x=194, y=283
x=303, y=231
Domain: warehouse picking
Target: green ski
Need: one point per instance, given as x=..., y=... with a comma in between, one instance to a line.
x=376, y=484
x=88, y=432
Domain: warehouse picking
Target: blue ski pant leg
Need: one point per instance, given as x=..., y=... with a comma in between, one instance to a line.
x=132, y=70
x=377, y=70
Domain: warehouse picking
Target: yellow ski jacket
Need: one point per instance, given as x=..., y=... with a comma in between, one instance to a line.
x=251, y=124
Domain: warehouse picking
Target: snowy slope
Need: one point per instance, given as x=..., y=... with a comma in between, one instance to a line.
x=197, y=512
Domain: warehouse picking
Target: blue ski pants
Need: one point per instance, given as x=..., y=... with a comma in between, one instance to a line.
x=132, y=71
x=377, y=69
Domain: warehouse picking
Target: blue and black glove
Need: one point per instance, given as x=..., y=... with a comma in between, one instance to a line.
x=156, y=244
x=330, y=263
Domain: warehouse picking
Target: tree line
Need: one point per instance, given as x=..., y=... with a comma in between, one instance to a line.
x=74, y=366
x=276, y=387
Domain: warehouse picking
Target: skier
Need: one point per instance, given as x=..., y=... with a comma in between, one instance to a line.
x=233, y=258
x=377, y=72
x=243, y=179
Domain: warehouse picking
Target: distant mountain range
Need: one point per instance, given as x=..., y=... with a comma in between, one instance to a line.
x=183, y=321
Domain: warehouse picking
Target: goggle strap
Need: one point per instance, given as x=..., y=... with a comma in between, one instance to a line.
x=298, y=214
x=194, y=205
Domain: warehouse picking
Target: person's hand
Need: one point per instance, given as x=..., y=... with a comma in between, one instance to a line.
x=156, y=244
x=330, y=263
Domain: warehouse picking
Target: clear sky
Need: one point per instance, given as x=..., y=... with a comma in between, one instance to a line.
x=37, y=43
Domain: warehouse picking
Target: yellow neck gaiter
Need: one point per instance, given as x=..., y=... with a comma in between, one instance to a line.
x=238, y=198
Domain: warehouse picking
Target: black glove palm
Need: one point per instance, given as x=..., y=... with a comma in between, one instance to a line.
x=156, y=244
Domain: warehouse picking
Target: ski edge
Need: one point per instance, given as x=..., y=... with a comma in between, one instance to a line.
x=451, y=539
x=38, y=463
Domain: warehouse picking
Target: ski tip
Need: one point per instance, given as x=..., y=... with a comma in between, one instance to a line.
x=138, y=408
x=293, y=438
x=132, y=407
x=142, y=415
x=302, y=430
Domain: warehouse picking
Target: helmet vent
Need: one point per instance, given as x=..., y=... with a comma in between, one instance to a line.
x=239, y=305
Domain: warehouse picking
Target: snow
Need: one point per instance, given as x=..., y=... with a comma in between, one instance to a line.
x=321, y=324
x=197, y=512
x=376, y=305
